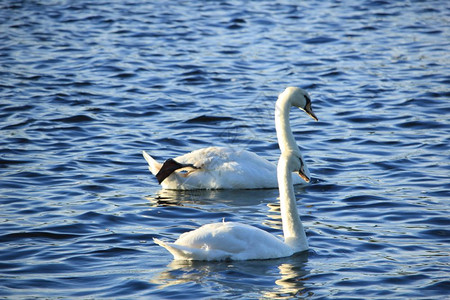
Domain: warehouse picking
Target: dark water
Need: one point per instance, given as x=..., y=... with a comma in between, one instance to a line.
x=86, y=85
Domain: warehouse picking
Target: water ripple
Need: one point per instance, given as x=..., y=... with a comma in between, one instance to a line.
x=85, y=86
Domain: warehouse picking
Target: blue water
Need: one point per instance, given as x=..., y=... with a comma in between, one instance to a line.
x=85, y=86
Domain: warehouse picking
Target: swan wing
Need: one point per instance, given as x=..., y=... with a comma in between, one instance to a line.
x=226, y=168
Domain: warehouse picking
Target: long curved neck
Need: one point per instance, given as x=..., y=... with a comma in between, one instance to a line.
x=286, y=140
x=293, y=231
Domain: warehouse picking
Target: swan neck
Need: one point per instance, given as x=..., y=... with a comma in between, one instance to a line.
x=286, y=140
x=293, y=231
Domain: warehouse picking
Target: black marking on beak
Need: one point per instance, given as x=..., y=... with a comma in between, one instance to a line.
x=301, y=172
x=308, y=109
x=303, y=176
x=170, y=166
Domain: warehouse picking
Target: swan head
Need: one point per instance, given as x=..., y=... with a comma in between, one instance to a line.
x=295, y=163
x=301, y=99
x=302, y=171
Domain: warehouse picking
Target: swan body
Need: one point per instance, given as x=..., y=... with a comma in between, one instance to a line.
x=220, y=168
x=230, y=168
x=227, y=241
x=238, y=241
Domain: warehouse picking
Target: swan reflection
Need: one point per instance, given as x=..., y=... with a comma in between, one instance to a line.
x=231, y=198
x=240, y=277
x=291, y=283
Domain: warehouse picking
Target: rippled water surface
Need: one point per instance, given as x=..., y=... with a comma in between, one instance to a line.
x=85, y=86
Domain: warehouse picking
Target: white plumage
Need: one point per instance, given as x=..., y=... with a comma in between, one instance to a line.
x=230, y=168
x=227, y=240
x=220, y=168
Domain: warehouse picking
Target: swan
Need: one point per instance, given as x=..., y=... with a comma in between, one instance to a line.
x=230, y=168
x=238, y=241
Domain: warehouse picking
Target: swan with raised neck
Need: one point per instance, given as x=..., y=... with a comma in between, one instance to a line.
x=293, y=231
x=231, y=168
x=292, y=96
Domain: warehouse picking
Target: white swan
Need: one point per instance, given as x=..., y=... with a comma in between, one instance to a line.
x=228, y=168
x=237, y=241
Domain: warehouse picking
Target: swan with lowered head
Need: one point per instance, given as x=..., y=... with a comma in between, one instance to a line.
x=229, y=168
x=238, y=241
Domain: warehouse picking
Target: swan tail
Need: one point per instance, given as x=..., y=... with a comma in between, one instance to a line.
x=178, y=251
x=153, y=165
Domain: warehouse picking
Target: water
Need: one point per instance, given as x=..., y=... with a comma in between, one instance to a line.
x=86, y=85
